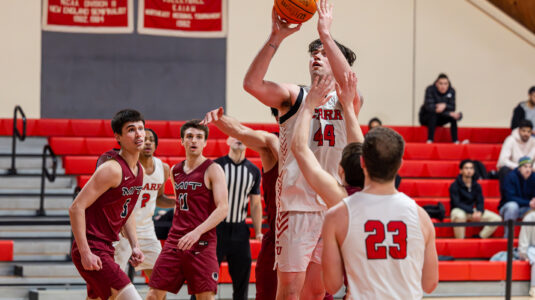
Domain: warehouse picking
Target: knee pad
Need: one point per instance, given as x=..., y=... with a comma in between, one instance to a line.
x=129, y=292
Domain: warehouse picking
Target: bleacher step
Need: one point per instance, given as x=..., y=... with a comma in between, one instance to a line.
x=13, y=293
x=51, y=231
x=29, y=163
x=45, y=247
x=23, y=182
x=33, y=145
x=51, y=202
x=47, y=270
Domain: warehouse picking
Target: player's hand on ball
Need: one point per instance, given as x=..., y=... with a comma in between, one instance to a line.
x=281, y=29
x=137, y=257
x=212, y=116
x=325, y=16
x=317, y=96
x=187, y=241
x=91, y=262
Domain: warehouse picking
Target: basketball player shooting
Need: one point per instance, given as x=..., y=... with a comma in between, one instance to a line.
x=298, y=255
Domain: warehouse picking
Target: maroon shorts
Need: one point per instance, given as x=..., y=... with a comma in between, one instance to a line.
x=199, y=267
x=266, y=277
x=100, y=283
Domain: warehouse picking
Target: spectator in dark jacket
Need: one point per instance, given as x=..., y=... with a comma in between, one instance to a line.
x=439, y=108
x=519, y=189
x=525, y=110
x=467, y=203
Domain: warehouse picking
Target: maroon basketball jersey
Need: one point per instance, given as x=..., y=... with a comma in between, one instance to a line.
x=194, y=203
x=107, y=215
x=269, y=179
x=352, y=189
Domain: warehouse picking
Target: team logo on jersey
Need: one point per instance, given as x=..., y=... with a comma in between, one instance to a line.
x=132, y=190
x=279, y=250
x=184, y=185
x=152, y=186
x=327, y=114
x=215, y=276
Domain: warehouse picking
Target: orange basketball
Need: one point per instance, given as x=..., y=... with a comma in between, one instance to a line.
x=295, y=11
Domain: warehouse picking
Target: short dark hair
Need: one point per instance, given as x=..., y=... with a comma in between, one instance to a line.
x=525, y=123
x=531, y=90
x=348, y=53
x=382, y=152
x=155, y=136
x=195, y=123
x=464, y=162
x=374, y=119
x=350, y=162
x=124, y=116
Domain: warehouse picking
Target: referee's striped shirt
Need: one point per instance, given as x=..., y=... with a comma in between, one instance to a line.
x=243, y=179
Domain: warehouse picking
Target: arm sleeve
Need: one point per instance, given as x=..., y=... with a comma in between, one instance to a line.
x=455, y=199
x=480, y=201
x=511, y=192
x=450, y=105
x=429, y=100
x=255, y=190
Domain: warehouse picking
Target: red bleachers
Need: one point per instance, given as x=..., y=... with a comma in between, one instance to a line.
x=490, y=203
x=440, y=187
x=481, y=270
x=6, y=250
x=434, y=168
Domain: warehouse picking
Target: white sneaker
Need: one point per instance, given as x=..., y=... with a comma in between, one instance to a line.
x=464, y=142
x=532, y=292
x=429, y=141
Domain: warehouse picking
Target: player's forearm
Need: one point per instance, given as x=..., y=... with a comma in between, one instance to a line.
x=130, y=231
x=258, y=69
x=337, y=60
x=216, y=217
x=256, y=214
x=354, y=133
x=165, y=202
x=301, y=132
x=77, y=217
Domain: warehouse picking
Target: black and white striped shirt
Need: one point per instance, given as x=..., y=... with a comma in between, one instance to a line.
x=243, y=179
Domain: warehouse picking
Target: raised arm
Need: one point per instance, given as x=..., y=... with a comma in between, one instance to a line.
x=430, y=268
x=108, y=175
x=163, y=201
x=270, y=93
x=320, y=180
x=347, y=91
x=337, y=60
x=265, y=143
x=334, y=232
x=214, y=180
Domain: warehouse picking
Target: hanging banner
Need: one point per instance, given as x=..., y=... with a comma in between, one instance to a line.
x=88, y=16
x=184, y=18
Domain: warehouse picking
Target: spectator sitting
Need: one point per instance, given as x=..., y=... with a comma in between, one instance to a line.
x=525, y=110
x=526, y=247
x=519, y=191
x=520, y=143
x=465, y=193
x=439, y=108
x=374, y=122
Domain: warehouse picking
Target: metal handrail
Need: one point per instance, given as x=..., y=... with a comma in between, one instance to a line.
x=16, y=134
x=45, y=173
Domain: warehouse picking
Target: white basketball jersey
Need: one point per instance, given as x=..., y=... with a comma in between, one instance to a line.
x=146, y=204
x=384, y=247
x=327, y=139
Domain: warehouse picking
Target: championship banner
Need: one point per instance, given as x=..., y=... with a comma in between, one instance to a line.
x=183, y=18
x=88, y=16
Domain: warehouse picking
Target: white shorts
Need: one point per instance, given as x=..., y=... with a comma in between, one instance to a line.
x=298, y=240
x=151, y=248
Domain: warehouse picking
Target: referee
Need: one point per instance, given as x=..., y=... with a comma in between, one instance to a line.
x=243, y=183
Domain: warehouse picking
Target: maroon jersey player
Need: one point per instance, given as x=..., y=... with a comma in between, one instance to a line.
x=103, y=207
x=201, y=203
x=267, y=146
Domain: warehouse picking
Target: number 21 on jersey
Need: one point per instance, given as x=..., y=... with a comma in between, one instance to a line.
x=374, y=250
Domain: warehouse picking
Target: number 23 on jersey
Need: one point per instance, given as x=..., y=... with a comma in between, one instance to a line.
x=374, y=241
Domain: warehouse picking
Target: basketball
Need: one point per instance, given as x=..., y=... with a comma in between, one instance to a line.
x=295, y=11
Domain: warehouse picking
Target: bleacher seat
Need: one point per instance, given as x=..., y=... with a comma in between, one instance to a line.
x=490, y=203
x=440, y=187
x=6, y=250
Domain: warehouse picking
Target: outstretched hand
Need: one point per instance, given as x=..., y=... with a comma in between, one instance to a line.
x=347, y=91
x=317, y=96
x=325, y=16
x=212, y=116
x=281, y=29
